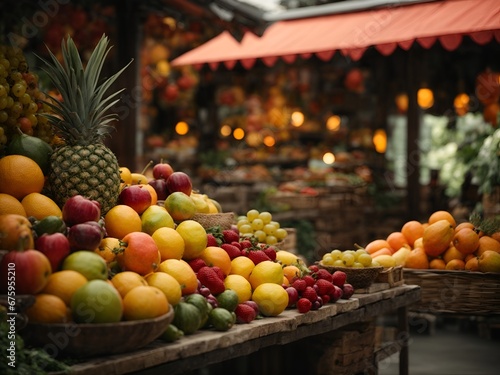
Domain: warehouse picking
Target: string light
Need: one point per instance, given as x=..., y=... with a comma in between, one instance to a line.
x=328, y=158
x=380, y=140
x=182, y=128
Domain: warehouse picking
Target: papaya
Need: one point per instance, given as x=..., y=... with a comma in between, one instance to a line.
x=437, y=237
x=187, y=317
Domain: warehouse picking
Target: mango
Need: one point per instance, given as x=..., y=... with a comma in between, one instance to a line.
x=401, y=255
x=386, y=261
x=489, y=261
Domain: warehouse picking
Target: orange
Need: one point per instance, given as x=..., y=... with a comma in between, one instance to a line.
x=169, y=242
x=40, y=206
x=452, y=253
x=472, y=264
x=195, y=238
x=63, y=284
x=417, y=259
x=167, y=284
x=125, y=281
x=465, y=224
x=48, y=308
x=152, y=191
x=242, y=266
x=20, y=176
x=11, y=205
x=466, y=240
x=412, y=230
x=240, y=285
x=121, y=220
x=266, y=272
x=180, y=206
x=291, y=273
x=437, y=264
x=496, y=236
x=106, y=248
x=442, y=215
x=138, y=253
x=271, y=298
x=217, y=256
x=182, y=272
x=15, y=233
x=396, y=241
x=376, y=245
x=382, y=251
x=455, y=264
x=144, y=302
x=487, y=243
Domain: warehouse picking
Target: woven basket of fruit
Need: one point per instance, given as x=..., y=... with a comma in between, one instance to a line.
x=224, y=220
x=461, y=292
x=358, y=277
x=89, y=340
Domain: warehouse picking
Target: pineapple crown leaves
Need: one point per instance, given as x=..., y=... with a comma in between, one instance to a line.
x=81, y=115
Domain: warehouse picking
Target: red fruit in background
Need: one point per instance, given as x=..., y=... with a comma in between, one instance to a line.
x=253, y=304
x=78, y=209
x=85, y=236
x=348, y=290
x=197, y=263
x=304, y=305
x=245, y=313
x=313, y=268
x=300, y=285
x=55, y=247
x=230, y=236
x=162, y=170
x=160, y=186
x=212, y=240
x=179, y=181
x=293, y=296
x=210, y=279
x=136, y=196
x=324, y=274
x=337, y=294
x=256, y=256
x=271, y=253
x=231, y=250
x=24, y=272
x=339, y=278
x=310, y=281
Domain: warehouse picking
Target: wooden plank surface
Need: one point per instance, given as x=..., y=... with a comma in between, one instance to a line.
x=205, y=347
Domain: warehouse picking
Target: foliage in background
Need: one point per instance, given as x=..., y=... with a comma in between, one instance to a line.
x=486, y=165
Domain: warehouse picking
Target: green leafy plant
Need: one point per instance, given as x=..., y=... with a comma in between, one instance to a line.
x=485, y=167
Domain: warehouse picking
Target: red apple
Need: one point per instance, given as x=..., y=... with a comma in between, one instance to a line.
x=293, y=296
x=135, y=196
x=179, y=181
x=160, y=186
x=85, y=236
x=24, y=272
x=348, y=290
x=339, y=278
x=78, y=209
x=55, y=247
x=162, y=170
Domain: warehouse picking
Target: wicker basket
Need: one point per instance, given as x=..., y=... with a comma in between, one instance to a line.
x=392, y=276
x=358, y=277
x=224, y=220
x=90, y=340
x=461, y=292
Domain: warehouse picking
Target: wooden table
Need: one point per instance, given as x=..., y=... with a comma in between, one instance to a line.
x=206, y=347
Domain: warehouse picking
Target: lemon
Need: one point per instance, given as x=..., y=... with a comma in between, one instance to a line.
x=167, y=284
x=169, y=242
x=271, y=298
x=242, y=266
x=240, y=285
x=287, y=258
x=266, y=272
x=195, y=238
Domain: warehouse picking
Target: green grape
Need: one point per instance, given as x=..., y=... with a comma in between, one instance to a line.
x=252, y=214
x=271, y=240
x=336, y=254
x=281, y=234
x=327, y=259
x=18, y=89
x=365, y=259
x=275, y=223
x=348, y=259
x=266, y=217
x=339, y=263
x=269, y=229
x=357, y=265
x=260, y=235
x=245, y=229
x=257, y=224
x=3, y=91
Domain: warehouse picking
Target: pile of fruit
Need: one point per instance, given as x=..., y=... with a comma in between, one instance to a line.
x=441, y=243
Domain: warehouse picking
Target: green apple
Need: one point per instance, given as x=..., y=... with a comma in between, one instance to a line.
x=156, y=217
x=97, y=301
x=89, y=264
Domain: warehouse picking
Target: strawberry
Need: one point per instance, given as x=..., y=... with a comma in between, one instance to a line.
x=197, y=263
x=219, y=272
x=313, y=268
x=245, y=313
x=310, y=294
x=230, y=236
x=323, y=287
x=212, y=240
x=271, y=253
x=209, y=278
x=300, y=285
x=310, y=281
x=237, y=244
x=326, y=298
x=304, y=305
x=257, y=256
x=323, y=274
x=231, y=250
x=246, y=244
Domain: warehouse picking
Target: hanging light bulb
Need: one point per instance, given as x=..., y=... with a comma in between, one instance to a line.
x=333, y=123
x=380, y=140
x=182, y=128
x=425, y=98
x=461, y=104
x=269, y=141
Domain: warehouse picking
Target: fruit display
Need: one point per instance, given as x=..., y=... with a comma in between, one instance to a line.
x=441, y=243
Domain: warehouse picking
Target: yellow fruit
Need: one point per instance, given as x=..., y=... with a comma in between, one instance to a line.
x=182, y=272
x=48, y=308
x=138, y=178
x=266, y=272
x=201, y=204
x=217, y=256
x=144, y=302
x=195, y=238
x=180, y=206
x=20, y=176
x=167, y=284
x=287, y=258
x=125, y=281
x=125, y=175
x=63, y=284
x=401, y=255
x=240, y=285
x=242, y=266
x=11, y=205
x=106, y=248
x=489, y=261
x=15, y=232
x=271, y=298
x=156, y=217
x=40, y=206
x=386, y=261
x=122, y=220
x=170, y=243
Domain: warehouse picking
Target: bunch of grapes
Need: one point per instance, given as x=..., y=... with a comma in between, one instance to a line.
x=262, y=226
x=21, y=101
x=348, y=258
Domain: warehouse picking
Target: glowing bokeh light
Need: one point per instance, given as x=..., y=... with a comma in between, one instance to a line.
x=380, y=140
x=269, y=141
x=238, y=134
x=328, y=158
x=182, y=128
x=225, y=130
x=297, y=118
x=333, y=123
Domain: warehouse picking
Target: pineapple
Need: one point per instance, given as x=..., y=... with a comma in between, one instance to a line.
x=82, y=164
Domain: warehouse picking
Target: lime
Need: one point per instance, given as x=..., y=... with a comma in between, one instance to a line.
x=49, y=225
x=228, y=300
x=221, y=319
x=171, y=334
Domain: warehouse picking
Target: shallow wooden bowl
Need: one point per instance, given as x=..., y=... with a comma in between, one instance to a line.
x=90, y=340
x=358, y=277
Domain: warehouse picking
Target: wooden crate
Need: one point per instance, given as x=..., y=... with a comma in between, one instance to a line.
x=392, y=276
